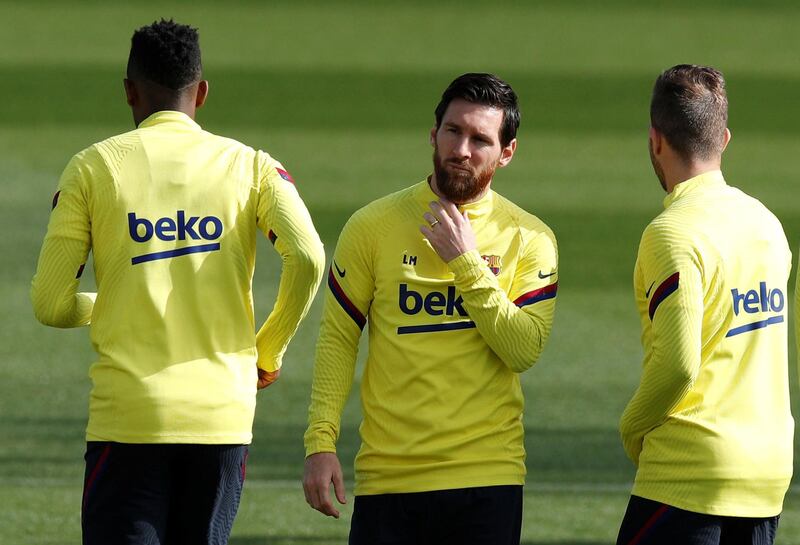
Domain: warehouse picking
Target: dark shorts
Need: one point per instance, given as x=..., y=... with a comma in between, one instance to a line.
x=649, y=522
x=161, y=494
x=490, y=515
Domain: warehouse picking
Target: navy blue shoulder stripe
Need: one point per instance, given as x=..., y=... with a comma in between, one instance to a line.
x=664, y=290
x=547, y=292
x=344, y=301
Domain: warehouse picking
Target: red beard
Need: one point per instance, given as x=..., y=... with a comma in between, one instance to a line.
x=457, y=181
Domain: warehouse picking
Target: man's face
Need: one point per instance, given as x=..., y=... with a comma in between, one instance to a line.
x=467, y=150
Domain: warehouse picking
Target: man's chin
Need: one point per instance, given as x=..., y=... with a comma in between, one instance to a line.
x=459, y=184
x=461, y=193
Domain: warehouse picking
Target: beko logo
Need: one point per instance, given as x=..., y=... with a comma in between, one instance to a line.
x=180, y=228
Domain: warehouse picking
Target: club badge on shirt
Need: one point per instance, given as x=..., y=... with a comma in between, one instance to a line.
x=494, y=263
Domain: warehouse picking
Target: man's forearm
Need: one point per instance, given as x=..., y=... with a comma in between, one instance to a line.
x=54, y=295
x=300, y=278
x=515, y=334
x=334, y=367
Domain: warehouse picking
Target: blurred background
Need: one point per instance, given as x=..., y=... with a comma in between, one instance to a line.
x=343, y=92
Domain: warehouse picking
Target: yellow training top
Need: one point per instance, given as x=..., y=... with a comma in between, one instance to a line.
x=171, y=214
x=709, y=426
x=441, y=397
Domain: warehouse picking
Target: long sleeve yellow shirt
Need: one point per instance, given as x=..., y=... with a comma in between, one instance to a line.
x=170, y=213
x=710, y=426
x=441, y=397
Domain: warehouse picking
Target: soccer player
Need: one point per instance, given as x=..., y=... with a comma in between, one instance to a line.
x=171, y=214
x=458, y=285
x=709, y=426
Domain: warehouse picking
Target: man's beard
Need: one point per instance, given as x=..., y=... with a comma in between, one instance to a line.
x=457, y=185
x=656, y=166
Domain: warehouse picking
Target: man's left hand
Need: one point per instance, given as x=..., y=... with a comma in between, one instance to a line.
x=448, y=230
x=265, y=378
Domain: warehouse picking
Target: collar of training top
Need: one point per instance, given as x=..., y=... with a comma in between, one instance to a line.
x=424, y=195
x=705, y=180
x=168, y=116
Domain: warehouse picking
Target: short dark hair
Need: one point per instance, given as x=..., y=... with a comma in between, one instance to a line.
x=167, y=53
x=690, y=108
x=488, y=90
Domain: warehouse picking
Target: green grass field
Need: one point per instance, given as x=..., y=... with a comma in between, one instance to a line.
x=343, y=93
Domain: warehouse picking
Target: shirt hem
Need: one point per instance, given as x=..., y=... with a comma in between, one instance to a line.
x=402, y=486
x=170, y=438
x=728, y=509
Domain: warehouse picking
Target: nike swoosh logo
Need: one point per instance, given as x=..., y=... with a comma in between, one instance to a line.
x=647, y=293
x=341, y=272
x=543, y=276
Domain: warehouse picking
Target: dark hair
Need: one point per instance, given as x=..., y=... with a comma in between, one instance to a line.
x=166, y=53
x=488, y=90
x=690, y=108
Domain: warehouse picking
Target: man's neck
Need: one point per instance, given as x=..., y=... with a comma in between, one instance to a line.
x=687, y=170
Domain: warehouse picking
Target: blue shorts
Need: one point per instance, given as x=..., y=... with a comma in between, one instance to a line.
x=154, y=494
x=649, y=522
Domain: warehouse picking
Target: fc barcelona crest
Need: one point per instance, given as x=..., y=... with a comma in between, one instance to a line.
x=494, y=263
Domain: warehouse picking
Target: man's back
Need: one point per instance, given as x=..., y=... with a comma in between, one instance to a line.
x=710, y=285
x=173, y=213
x=170, y=213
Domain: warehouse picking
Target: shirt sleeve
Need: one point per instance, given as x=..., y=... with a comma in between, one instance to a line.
x=54, y=289
x=672, y=270
x=283, y=217
x=797, y=316
x=515, y=325
x=351, y=285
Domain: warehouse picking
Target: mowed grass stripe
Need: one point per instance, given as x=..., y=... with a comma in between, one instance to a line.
x=581, y=36
x=341, y=170
x=357, y=100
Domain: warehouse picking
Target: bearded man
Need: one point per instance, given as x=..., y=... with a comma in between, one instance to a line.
x=458, y=308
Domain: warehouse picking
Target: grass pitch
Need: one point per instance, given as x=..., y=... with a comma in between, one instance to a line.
x=343, y=93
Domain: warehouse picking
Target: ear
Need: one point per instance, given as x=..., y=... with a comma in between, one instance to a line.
x=656, y=141
x=727, y=139
x=202, y=93
x=507, y=153
x=433, y=135
x=131, y=93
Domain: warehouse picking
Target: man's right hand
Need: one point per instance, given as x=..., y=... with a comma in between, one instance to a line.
x=322, y=469
x=265, y=378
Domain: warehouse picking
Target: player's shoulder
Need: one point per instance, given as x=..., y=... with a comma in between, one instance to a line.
x=528, y=223
x=680, y=234
x=119, y=143
x=380, y=215
x=234, y=146
x=669, y=226
x=112, y=151
x=385, y=208
x=753, y=206
x=227, y=141
x=90, y=161
x=269, y=168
